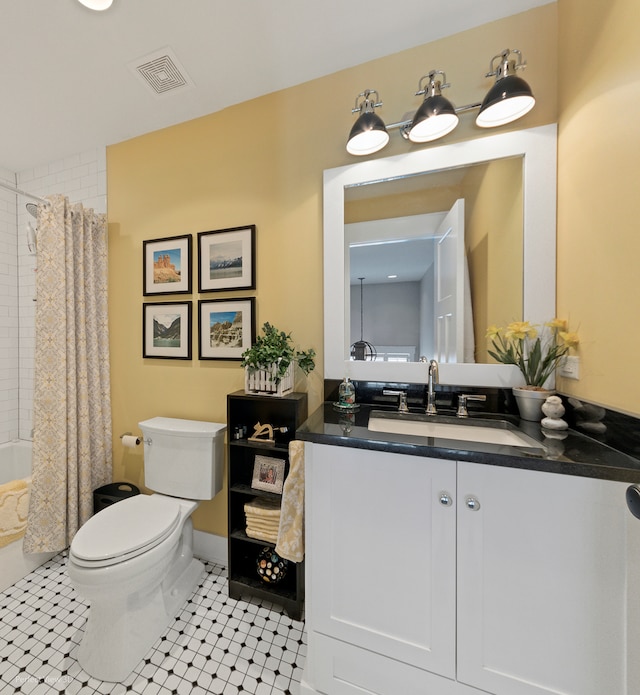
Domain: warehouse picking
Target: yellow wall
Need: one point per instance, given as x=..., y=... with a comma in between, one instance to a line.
x=495, y=246
x=598, y=200
x=261, y=163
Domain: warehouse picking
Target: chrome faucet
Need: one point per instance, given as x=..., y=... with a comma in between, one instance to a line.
x=432, y=380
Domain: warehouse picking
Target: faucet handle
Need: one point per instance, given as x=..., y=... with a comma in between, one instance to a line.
x=462, y=402
x=402, y=399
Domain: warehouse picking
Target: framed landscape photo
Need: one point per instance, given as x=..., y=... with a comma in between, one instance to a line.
x=226, y=259
x=226, y=328
x=268, y=474
x=166, y=330
x=166, y=265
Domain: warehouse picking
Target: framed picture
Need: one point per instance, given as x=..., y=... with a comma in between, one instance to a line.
x=268, y=474
x=226, y=328
x=226, y=259
x=166, y=330
x=166, y=265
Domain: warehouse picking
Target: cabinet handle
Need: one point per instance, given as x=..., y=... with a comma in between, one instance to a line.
x=473, y=503
x=445, y=499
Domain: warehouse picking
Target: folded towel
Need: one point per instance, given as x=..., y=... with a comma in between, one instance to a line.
x=257, y=524
x=14, y=505
x=263, y=507
x=290, y=543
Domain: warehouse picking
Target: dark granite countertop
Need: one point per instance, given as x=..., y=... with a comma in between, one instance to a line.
x=576, y=454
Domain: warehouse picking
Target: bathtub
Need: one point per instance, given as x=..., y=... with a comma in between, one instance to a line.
x=15, y=464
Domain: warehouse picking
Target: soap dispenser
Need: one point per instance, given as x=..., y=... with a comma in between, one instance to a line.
x=346, y=394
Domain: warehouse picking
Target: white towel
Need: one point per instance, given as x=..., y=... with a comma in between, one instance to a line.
x=290, y=544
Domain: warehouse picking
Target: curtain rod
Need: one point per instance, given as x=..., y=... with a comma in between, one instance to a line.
x=14, y=189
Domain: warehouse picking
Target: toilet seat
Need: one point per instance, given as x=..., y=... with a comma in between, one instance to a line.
x=125, y=530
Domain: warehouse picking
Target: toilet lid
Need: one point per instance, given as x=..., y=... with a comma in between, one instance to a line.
x=126, y=529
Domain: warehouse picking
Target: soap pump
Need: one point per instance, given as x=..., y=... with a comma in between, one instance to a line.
x=346, y=393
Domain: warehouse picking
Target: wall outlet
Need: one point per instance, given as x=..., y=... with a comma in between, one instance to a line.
x=570, y=367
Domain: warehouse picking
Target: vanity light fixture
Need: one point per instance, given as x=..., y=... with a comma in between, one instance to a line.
x=97, y=5
x=369, y=133
x=508, y=99
x=436, y=116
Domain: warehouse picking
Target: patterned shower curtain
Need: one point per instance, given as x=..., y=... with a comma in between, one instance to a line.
x=72, y=399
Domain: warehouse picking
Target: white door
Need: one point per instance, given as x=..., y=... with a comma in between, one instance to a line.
x=381, y=554
x=541, y=582
x=449, y=286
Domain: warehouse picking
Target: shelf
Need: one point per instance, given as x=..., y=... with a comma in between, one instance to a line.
x=240, y=535
x=245, y=410
x=241, y=589
x=249, y=491
x=278, y=446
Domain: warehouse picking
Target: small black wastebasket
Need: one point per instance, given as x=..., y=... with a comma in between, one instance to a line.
x=107, y=495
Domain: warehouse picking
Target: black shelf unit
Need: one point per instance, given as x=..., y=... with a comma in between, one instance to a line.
x=246, y=410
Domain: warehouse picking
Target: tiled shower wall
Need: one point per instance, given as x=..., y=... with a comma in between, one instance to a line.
x=82, y=178
x=8, y=312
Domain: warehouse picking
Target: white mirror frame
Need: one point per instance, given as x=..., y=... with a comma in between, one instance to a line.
x=538, y=148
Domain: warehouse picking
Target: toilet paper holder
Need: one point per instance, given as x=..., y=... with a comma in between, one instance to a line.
x=128, y=439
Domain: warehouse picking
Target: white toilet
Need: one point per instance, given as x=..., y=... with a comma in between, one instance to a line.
x=134, y=560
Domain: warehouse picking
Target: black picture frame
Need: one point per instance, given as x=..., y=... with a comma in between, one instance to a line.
x=166, y=330
x=226, y=327
x=167, y=265
x=227, y=259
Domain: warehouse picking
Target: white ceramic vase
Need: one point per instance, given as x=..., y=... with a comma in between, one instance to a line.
x=530, y=402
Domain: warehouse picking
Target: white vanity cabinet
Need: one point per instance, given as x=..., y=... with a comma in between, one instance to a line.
x=435, y=576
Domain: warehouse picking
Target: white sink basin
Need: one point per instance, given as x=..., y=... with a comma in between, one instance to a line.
x=464, y=430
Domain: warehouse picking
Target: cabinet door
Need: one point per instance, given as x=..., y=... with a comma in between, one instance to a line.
x=541, y=582
x=381, y=553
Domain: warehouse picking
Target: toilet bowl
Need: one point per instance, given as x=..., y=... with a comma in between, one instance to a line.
x=133, y=561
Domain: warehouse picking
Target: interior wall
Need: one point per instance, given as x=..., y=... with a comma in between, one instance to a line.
x=222, y=171
x=9, y=354
x=391, y=313
x=495, y=247
x=598, y=201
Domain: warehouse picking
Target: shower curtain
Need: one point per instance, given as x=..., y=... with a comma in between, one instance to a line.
x=72, y=399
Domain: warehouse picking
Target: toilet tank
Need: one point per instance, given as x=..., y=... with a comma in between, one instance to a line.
x=183, y=458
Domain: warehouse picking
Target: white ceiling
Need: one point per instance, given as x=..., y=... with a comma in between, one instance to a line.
x=67, y=83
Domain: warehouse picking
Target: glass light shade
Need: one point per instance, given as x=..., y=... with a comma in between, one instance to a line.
x=368, y=135
x=508, y=100
x=434, y=119
x=98, y=5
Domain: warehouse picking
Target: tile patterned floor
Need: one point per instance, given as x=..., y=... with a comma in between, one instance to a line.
x=215, y=645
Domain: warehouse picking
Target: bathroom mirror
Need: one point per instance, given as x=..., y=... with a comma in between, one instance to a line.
x=530, y=198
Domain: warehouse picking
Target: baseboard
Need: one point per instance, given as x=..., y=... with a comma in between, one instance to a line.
x=210, y=547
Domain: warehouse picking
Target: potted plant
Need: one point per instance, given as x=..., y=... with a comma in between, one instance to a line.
x=536, y=353
x=269, y=362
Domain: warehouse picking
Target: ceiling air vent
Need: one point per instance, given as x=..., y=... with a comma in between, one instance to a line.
x=162, y=72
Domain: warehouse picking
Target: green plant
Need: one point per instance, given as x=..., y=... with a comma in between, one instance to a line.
x=536, y=354
x=276, y=347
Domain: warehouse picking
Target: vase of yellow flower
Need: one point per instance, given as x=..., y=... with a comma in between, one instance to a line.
x=536, y=352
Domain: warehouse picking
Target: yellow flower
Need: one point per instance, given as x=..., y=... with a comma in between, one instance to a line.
x=560, y=324
x=570, y=340
x=520, y=330
x=492, y=331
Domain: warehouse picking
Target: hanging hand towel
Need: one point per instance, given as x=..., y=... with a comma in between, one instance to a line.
x=290, y=543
